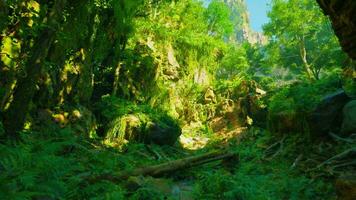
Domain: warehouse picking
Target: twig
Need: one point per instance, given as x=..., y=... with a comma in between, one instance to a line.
x=338, y=138
x=338, y=156
x=345, y=164
x=280, y=143
x=296, y=162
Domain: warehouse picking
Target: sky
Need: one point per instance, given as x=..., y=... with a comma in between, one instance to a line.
x=258, y=13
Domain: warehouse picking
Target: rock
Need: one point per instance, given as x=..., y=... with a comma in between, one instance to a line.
x=162, y=133
x=349, y=118
x=209, y=96
x=328, y=114
x=201, y=77
x=342, y=15
x=144, y=128
x=171, y=57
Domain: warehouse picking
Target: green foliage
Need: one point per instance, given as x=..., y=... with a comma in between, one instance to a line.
x=303, y=97
x=2, y=131
x=147, y=194
x=289, y=107
x=128, y=121
x=256, y=177
x=218, y=17
x=303, y=36
x=233, y=64
x=157, y=58
x=52, y=167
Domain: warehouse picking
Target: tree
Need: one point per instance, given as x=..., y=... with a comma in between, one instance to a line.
x=218, y=17
x=300, y=28
x=16, y=114
x=233, y=63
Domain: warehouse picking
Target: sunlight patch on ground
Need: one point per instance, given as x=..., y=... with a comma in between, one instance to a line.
x=193, y=142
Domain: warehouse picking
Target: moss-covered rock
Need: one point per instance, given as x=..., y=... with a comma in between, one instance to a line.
x=128, y=122
x=327, y=116
x=144, y=127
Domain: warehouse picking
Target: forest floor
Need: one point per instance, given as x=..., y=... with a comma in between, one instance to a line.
x=266, y=169
x=58, y=166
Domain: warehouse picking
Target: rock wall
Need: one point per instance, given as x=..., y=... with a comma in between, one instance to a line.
x=241, y=21
x=343, y=17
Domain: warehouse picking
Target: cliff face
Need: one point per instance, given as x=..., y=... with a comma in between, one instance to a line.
x=343, y=17
x=241, y=21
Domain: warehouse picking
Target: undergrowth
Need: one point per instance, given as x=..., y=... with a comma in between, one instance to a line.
x=258, y=176
x=58, y=165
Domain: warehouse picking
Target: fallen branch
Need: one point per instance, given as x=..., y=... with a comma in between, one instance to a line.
x=350, y=152
x=269, y=149
x=165, y=168
x=338, y=138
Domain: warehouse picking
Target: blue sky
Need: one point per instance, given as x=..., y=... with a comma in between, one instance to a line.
x=258, y=13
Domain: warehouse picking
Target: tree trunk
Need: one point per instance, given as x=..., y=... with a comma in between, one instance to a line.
x=303, y=55
x=15, y=116
x=3, y=15
x=116, y=79
x=171, y=166
x=85, y=85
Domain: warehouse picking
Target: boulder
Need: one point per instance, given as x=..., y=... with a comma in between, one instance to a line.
x=162, y=133
x=349, y=118
x=144, y=128
x=342, y=16
x=328, y=114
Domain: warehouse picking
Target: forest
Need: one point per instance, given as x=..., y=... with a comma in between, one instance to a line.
x=177, y=99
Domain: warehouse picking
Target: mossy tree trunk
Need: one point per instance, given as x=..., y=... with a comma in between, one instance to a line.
x=15, y=116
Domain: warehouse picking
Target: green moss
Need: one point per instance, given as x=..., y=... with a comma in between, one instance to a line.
x=127, y=121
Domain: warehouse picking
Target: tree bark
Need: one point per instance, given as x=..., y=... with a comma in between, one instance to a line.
x=116, y=79
x=303, y=55
x=15, y=116
x=3, y=16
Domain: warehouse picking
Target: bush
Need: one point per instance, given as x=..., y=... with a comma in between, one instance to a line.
x=289, y=107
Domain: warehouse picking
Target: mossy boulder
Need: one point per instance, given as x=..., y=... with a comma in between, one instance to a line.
x=327, y=116
x=129, y=122
x=144, y=127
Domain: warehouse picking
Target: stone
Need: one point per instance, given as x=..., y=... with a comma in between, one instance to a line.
x=162, y=133
x=349, y=118
x=143, y=128
x=342, y=16
x=209, y=96
x=328, y=114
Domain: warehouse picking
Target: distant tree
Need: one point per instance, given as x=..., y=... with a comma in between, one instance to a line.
x=233, y=63
x=300, y=28
x=218, y=17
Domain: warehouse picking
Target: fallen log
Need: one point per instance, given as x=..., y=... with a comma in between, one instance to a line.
x=171, y=166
